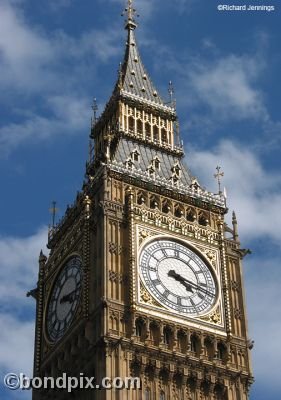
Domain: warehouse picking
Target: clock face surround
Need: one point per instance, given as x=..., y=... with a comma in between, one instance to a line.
x=64, y=299
x=177, y=277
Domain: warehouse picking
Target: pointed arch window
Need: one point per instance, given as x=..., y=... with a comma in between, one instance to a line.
x=139, y=127
x=131, y=123
x=176, y=169
x=156, y=163
x=221, y=352
x=175, y=180
x=194, y=344
x=155, y=133
x=162, y=396
x=164, y=136
x=135, y=155
x=167, y=335
x=147, y=128
x=147, y=394
x=139, y=326
x=151, y=171
x=129, y=163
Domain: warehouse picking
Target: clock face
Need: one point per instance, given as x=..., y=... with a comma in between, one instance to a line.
x=64, y=299
x=177, y=277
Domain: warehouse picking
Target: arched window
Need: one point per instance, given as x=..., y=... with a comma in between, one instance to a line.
x=162, y=396
x=194, y=344
x=147, y=394
x=166, y=207
x=203, y=219
x=135, y=155
x=167, y=336
x=156, y=163
x=154, y=334
x=221, y=353
x=164, y=136
x=147, y=129
x=155, y=133
x=190, y=215
x=209, y=348
x=131, y=124
x=182, y=341
x=139, y=326
x=179, y=211
x=139, y=127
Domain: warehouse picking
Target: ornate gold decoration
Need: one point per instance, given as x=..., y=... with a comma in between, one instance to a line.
x=143, y=234
x=214, y=317
x=147, y=298
x=211, y=255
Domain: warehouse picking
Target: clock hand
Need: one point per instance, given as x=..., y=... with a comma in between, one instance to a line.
x=68, y=297
x=190, y=284
x=180, y=279
x=198, y=287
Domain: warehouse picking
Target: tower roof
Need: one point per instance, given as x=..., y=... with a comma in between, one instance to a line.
x=134, y=78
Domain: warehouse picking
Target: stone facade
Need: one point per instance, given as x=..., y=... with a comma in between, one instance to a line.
x=138, y=189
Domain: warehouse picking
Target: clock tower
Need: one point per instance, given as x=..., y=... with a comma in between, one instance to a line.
x=144, y=277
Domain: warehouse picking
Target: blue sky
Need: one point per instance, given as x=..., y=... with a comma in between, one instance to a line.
x=57, y=55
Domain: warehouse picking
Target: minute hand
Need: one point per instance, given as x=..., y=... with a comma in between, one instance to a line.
x=199, y=288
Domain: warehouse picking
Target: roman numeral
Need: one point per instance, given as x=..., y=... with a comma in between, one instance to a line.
x=164, y=253
x=177, y=253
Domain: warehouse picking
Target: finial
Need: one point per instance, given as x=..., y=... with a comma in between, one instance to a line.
x=95, y=109
x=53, y=210
x=120, y=76
x=218, y=176
x=91, y=148
x=235, y=227
x=131, y=12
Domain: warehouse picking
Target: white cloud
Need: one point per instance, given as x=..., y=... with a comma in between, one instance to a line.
x=19, y=266
x=254, y=193
x=33, y=60
x=227, y=86
x=16, y=345
x=24, y=51
x=18, y=274
x=68, y=116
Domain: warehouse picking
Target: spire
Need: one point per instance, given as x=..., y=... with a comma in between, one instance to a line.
x=135, y=81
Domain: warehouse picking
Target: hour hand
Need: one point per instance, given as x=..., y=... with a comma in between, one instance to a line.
x=181, y=279
x=68, y=298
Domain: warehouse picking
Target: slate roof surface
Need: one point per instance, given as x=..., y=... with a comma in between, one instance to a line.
x=126, y=147
x=135, y=79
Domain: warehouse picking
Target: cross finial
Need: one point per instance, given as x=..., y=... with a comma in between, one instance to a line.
x=218, y=176
x=131, y=12
x=95, y=109
x=171, y=91
x=53, y=211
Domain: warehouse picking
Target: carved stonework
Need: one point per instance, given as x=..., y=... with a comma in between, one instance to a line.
x=147, y=298
x=144, y=234
x=214, y=317
x=238, y=313
x=116, y=277
x=115, y=249
x=235, y=286
x=211, y=256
